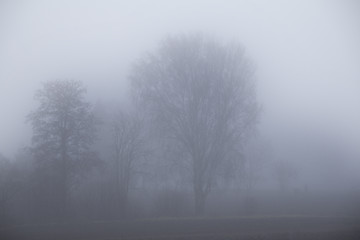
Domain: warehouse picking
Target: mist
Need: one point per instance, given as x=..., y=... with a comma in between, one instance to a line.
x=241, y=114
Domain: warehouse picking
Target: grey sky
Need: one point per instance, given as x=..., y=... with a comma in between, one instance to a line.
x=306, y=52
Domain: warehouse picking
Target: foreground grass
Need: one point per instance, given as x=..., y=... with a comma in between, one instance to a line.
x=244, y=227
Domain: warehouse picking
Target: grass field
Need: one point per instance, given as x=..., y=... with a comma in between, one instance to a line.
x=249, y=227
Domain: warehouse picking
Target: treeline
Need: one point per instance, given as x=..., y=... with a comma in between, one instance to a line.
x=190, y=128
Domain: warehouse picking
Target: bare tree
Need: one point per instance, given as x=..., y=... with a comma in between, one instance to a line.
x=200, y=94
x=63, y=131
x=129, y=148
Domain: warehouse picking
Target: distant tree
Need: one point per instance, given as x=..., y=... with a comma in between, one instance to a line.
x=285, y=173
x=257, y=155
x=10, y=184
x=63, y=131
x=201, y=95
x=128, y=148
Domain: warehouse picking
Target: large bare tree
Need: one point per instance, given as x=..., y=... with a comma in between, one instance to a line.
x=201, y=95
x=63, y=131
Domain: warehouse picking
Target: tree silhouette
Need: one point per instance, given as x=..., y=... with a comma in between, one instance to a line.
x=63, y=131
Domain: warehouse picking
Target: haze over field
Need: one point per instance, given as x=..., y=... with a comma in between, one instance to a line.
x=296, y=127
x=306, y=53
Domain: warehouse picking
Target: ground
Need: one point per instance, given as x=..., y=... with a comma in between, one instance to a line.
x=249, y=227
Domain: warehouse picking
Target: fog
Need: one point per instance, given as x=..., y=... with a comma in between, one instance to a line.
x=302, y=110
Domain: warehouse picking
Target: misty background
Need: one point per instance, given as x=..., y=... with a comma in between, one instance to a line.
x=306, y=55
x=272, y=125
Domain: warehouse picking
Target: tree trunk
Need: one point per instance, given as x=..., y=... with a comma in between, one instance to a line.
x=200, y=198
x=2, y=212
x=63, y=181
x=123, y=204
x=121, y=189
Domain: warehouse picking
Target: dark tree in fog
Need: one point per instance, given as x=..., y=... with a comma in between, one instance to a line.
x=63, y=131
x=129, y=148
x=201, y=94
x=9, y=185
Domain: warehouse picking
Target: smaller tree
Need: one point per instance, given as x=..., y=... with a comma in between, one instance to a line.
x=63, y=131
x=128, y=148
